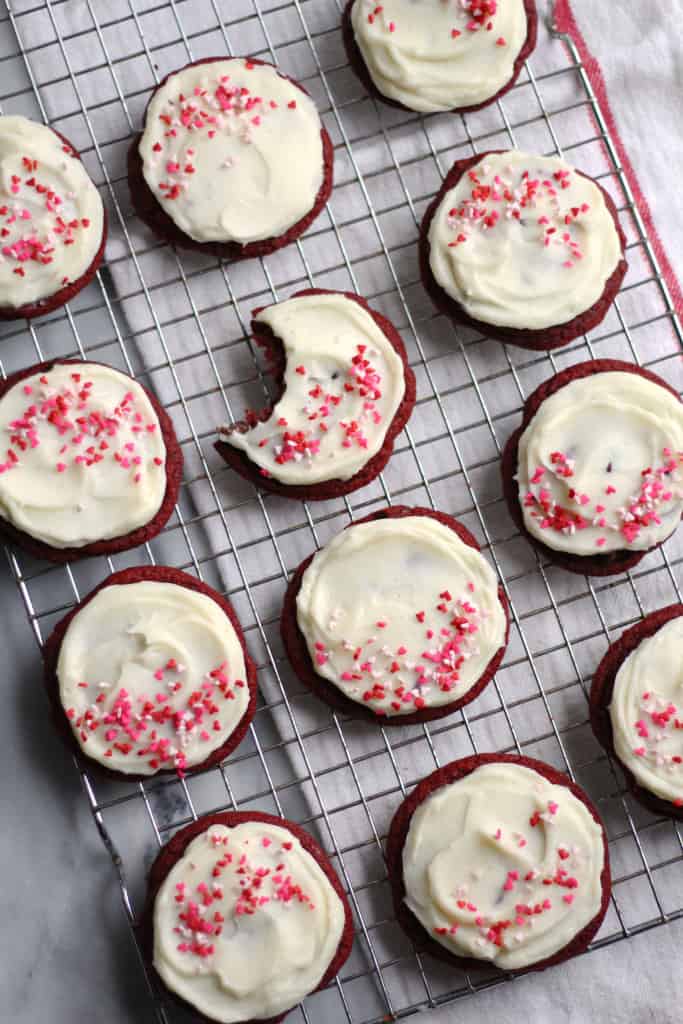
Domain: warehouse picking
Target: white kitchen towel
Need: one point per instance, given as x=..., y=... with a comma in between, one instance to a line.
x=633, y=53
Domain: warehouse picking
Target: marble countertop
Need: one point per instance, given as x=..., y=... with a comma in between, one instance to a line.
x=69, y=955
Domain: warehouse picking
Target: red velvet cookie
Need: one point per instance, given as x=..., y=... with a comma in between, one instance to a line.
x=320, y=404
x=173, y=852
x=538, y=339
x=592, y=565
x=58, y=257
x=560, y=882
x=298, y=652
x=63, y=721
x=355, y=58
x=157, y=216
x=602, y=689
x=42, y=408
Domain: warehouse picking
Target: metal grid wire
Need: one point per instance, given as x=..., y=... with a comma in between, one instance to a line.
x=180, y=323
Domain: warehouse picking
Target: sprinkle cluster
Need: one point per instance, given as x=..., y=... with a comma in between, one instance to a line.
x=527, y=886
x=324, y=411
x=658, y=486
x=532, y=201
x=159, y=724
x=240, y=884
x=480, y=15
x=659, y=722
x=32, y=227
x=85, y=434
x=217, y=107
x=377, y=674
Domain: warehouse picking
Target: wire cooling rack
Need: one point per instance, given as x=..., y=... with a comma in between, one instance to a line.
x=180, y=323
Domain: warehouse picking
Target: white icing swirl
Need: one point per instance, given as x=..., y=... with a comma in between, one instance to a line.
x=232, y=151
x=503, y=866
x=51, y=214
x=647, y=712
x=343, y=383
x=432, y=55
x=246, y=923
x=400, y=614
x=151, y=676
x=523, y=241
x=85, y=459
x=599, y=465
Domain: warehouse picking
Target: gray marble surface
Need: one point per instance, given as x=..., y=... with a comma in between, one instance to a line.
x=68, y=954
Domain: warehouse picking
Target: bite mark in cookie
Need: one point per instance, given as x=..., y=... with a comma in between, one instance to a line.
x=345, y=391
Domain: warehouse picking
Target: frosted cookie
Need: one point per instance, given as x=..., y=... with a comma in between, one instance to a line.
x=345, y=393
x=433, y=56
x=592, y=477
x=233, y=159
x=245, y=917
x=524, y=248
x=150, y=673
x=637, y=708
x=502, y=859
x=92, y=464
x=53, y=225
x=399, y=618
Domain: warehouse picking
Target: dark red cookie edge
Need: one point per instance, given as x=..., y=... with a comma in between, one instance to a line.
x=151, y=212
x=398, y=833
x=360, y=68
x=326, y=489
x=546, y=339
x=173, y=851
x=52, y=647
x=588, y=565
x=600, y=698
x=173, y=469
x=65, y=294
x=300, y=659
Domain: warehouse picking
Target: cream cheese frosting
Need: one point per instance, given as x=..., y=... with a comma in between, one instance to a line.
x=599, y=465
x=232, y=151
x=400, y=614
x=504, y=866
x=85, y=459
x=151, y=676
x=246, y=923
x=432, y=55
x=646, y=712
x=523, y=241
x=51, y=214
x=343, y=384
